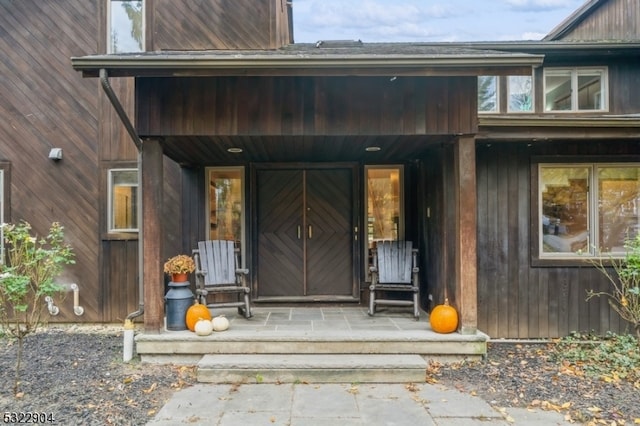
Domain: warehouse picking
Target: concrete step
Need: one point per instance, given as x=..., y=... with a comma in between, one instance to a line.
x=311, y=368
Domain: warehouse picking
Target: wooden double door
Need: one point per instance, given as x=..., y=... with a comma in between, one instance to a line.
x=306, y=234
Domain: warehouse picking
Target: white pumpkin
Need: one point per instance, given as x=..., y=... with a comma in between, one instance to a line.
x=203, y=327
x=220, y=323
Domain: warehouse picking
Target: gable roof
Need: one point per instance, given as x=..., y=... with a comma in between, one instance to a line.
x=573, y=20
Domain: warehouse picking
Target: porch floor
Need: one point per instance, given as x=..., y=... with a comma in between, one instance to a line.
x=317, y=343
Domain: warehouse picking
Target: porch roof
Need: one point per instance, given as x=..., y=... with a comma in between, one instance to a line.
x=322, y=58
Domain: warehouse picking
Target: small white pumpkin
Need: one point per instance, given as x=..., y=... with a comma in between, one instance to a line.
x=203, y=327
x=220, y=323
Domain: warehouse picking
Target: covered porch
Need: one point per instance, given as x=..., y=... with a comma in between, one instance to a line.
x=313, y=344
x=309, y=108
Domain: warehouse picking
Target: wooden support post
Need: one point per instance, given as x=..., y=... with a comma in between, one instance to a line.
x=466, y=234
x=152, y=235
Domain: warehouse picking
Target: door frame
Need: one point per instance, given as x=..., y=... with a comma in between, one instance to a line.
x=356, y=218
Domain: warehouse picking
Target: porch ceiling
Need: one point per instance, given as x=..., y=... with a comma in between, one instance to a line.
x=207, y=150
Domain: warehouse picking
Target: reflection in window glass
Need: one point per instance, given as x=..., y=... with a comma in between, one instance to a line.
x=589, y=91
x=520, y=89
x=126, y=26
x=558, y=90
x=225, y=204
x=565, y=207
x=123, y=200
x=384, y=204
x=618, y=202
x=487, y=93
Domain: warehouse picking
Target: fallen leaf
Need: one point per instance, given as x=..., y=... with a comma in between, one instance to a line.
x=151, y=388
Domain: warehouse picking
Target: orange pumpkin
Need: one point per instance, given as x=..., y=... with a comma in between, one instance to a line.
x=196, y=312
x=444, y=318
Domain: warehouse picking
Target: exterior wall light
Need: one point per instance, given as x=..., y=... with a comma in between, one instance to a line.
x=55, y=154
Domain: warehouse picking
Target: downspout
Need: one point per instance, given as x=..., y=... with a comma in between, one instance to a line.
x=108, y=90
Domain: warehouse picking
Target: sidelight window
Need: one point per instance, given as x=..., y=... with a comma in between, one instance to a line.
x=384, y=201
x=587, y=209
x=225, y=200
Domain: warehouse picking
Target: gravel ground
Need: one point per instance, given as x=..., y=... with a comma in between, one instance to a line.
x=77, y=375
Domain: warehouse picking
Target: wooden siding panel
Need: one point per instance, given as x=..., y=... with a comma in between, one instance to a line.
x=516, y=299
x=614, y=20
x=218, y=24
x=293, y=106
x=45, y=104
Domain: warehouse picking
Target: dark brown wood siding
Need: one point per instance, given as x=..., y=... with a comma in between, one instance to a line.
x=217, y=24
x=306, y=106
x=614, y=20
x=44, y=104
x=515, y=298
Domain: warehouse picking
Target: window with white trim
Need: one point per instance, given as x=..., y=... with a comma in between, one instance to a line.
x=575, y=89
x=126, y=26
x=587, y=209
x=505, y=94
x=123, y=200
x=519, y=93
x=488, y=98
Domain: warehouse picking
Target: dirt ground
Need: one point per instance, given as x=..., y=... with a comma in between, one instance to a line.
x=77, y=377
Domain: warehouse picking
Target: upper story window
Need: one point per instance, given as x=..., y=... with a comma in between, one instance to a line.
x=588, y=208
x=123, y=200
x=575, y=89
x=488, y=99
x=519, y=93
x=513, y=94
x=126, y=26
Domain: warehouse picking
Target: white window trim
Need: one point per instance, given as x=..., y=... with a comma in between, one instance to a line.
x=592, y=213
x=575, y=71
x=110, y=227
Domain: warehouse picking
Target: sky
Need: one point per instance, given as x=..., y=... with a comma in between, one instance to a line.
x=428, y=20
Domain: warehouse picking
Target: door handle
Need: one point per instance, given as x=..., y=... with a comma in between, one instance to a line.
x=310, y=231
x=298, y=231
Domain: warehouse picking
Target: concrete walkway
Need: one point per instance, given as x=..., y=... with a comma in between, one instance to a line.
x=338, y=404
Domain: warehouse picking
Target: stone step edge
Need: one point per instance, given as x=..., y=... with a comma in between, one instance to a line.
x=312, y=361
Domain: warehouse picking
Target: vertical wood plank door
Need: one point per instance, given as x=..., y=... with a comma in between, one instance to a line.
x=305, y=234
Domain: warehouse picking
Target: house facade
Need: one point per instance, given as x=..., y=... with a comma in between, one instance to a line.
x=485, y=155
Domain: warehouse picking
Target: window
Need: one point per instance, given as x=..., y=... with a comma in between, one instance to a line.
x=519, y=93
x=587, y=209
x=226, y=201
x=384, y=201
x=126, y=26
x=511, y=94
x=575, y=89
x=488, y=93
x=123, y=200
